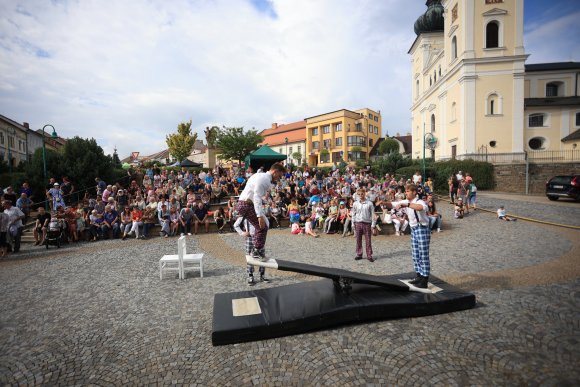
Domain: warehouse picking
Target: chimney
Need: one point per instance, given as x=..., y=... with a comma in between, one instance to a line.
x=274, y=125
x=25, y=124
x=398, y=134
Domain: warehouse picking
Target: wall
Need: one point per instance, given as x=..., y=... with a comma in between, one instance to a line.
x=512, y=178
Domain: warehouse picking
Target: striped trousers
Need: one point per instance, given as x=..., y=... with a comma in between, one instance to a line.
x=360, y=229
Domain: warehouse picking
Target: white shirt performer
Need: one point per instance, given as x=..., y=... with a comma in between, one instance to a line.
x=420, y=234
x=363, y=214
x=250, y=205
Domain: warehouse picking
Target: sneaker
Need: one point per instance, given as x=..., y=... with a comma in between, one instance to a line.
x=259, y=256
x=371, y=259
x=251, y=281
x=438, y=230
x=189, y=234
x=264, y=279
x=357, y=258
x=397, y=233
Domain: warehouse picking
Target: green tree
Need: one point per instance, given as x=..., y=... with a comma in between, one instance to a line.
x=234, y=144
x=297, y=156
x=181, y=143
x=388, y=145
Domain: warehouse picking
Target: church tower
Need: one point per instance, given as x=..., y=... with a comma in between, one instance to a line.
x=468, y=77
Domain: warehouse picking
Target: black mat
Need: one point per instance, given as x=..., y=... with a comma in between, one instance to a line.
x=314, y=305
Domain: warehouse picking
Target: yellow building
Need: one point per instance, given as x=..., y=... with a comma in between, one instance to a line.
x=341, y=135
x=472, y=89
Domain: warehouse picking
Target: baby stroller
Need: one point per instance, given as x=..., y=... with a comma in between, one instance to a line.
x=55, y=234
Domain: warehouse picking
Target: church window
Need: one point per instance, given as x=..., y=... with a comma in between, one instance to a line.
x=453, y=111
x=492, y=34
x=454, y=47
x=536, y=120
x=432, y=123
x=537, y=143
x=553, y=89
x=577, y=119
x=435, y=76
x=417, y=89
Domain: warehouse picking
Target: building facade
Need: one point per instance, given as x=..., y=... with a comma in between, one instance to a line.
x=341, y=135
x=287, y=139
x=472, y=89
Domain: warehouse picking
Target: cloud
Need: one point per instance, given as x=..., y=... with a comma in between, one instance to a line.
x=559, y=49
x=128, y=72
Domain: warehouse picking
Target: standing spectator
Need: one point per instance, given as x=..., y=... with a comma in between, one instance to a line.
x=26, y=189
x=55, y=197
x=67, y=189
x=101, y=186
x=363, y=213
x=462, y=191
x=417, y=178
x=453, y=186
x=471, y=195
x=15, y=225
x=41, y=226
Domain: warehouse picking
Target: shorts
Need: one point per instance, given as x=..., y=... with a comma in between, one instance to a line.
x=471, y=199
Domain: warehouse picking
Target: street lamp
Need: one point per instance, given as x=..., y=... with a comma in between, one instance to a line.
x=54, y=136
x=9, y=150
x=286, y=142
x=423, y=178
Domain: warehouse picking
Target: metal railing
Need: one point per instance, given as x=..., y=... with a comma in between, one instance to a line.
x=541, y=156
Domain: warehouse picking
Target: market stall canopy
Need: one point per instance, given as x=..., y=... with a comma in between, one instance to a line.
x=263, y=157
x=190, y=164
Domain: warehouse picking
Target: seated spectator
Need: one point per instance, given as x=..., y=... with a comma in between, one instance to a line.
x=348, y=228
x=122, y=199
x=459, y=210
x=95, y=223
x=185, y=220
x=174, y=219
x=81, y=218
x=200, y=217
x=110, y=223
x=219, y=219
x=4, y=225
x=308, y=229
x=126, y=221
x=501, y=214
x=149, y=220
x=25, y=204
x=164, y=216
x=332, y=216
x=399, y=217
x=40, y=227
x=435, y=219
x=137, y=221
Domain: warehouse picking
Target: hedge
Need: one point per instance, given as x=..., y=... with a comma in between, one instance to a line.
x=481, y=172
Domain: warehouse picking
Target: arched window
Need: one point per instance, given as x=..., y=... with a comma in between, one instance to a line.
x=430, y=81
x=432, y=123
x=439, y=71
x=492, y=34
x=434, y=76
x=454, y=47
x=554, y=89
x=493, y=104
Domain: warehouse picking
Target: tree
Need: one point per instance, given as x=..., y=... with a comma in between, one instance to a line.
x=181, y=143
x=297, y=156
x=388, y=145
x=234, y=144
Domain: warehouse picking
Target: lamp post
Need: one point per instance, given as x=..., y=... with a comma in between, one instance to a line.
x=286, y=142
x=53, y=135
x=10, y=151
x=423, y=178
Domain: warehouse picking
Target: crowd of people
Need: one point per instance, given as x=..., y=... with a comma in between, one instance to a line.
x=180, y=202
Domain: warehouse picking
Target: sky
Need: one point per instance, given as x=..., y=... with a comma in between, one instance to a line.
x=126, y=73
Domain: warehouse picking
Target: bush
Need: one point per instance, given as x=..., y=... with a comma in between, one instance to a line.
x=481, y=172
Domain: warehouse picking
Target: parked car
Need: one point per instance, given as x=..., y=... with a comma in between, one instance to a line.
x=563, y=187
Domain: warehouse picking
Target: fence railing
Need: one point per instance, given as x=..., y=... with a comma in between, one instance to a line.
x=570, y=155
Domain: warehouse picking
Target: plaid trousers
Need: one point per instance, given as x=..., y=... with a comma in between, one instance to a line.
x=249, y=249
x=246, y=209
x=420, y=239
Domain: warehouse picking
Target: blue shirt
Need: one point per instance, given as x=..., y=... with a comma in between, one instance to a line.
x=110, y=216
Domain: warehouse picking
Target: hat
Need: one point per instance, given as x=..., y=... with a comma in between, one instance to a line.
x=460, y=199
x=341, y=203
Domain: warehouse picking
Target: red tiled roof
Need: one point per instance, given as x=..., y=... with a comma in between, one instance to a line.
x=277, y=134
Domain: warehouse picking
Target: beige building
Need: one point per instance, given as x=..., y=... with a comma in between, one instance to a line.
x=472, y=89
x=341, y=135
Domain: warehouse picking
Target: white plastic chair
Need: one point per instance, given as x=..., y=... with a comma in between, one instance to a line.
x=181, y=262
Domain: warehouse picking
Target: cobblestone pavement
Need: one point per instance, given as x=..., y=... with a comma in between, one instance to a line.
x=98, y=313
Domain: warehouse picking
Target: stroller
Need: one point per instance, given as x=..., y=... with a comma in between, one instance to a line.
x=55, y=234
